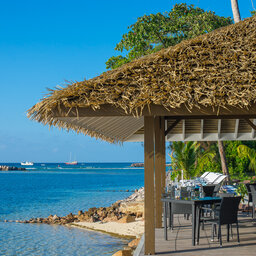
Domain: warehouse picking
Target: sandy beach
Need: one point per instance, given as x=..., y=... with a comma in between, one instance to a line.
x=132, y=229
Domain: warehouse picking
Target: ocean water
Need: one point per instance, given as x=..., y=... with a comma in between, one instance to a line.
x=46, y=189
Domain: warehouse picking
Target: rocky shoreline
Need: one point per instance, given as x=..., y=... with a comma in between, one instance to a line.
x=123, y=211
x=11, y=168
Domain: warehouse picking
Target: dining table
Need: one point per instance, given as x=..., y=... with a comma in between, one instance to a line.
x=195, y=202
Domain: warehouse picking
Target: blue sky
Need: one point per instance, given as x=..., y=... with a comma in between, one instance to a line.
x=44, y=43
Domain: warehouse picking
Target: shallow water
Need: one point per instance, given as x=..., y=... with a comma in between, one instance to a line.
x=58, y=189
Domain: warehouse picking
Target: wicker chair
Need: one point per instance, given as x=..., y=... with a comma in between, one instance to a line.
x=226, y=214
x=252, y=197
x=178, y=208
x=248, y=187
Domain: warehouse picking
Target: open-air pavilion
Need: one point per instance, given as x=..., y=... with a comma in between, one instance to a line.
x=200, y=89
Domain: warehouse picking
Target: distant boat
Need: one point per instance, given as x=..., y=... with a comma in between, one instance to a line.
x=71, y=162
x=27, y=163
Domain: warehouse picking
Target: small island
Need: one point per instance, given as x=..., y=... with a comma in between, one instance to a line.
x=137, y=165
x=11, y=168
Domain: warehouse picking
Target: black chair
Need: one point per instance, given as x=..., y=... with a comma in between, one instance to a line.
x=208, y=190
x=177, y=208
x=225, y=215
x=252, y=197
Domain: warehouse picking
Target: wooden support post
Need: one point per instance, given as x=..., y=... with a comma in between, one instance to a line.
x=158, y=202
x=149, y=209
x=159, y=167
x=163, y=160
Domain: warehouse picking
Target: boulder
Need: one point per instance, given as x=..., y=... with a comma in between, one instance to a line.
x=134, y=243
x=55, y=217
x=80, y=213
x=127, y=219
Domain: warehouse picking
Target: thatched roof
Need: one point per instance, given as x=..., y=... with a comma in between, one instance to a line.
x=216, y=69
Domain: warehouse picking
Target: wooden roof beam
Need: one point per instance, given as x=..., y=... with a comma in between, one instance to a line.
x=158, y=110
x=219, y=128
x=202, y=129
x=236, y=128
x=253, y=131
x=171, y=126
x=183, y=129
x=250, y=123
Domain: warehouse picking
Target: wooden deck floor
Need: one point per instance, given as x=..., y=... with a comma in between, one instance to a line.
x=179, y=240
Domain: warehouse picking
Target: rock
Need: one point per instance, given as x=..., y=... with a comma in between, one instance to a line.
x=139, y=215
x=134, y=243
x=110, y=218
x=93, y=219
x=136, y=208
x=80, y=213
x=91, y=211
x=123, y=253
x=55, y=217
x=127, y=219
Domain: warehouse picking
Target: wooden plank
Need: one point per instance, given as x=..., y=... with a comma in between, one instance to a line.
x=183, y=129
x=158, y=202
x=219, y=128
x=162, y=155
x=158, y=110
x=149, y=208
x=202, y=129
x=236, y=128
x=159, y=167
x=253, y=131
x=171, y=126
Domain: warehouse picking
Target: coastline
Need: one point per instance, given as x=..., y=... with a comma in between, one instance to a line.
x=123, y=219
x=128, y=226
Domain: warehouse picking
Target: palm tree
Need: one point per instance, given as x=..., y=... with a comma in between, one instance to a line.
x=189, y=157
x=245, y=151
x=235, y=10
x=223, y=160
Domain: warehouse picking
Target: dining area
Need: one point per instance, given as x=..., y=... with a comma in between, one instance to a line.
x=179, y=240
x=204, y=220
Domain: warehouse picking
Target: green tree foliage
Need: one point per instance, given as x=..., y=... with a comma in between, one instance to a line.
x=248, y=153
x=189, y=157
x=153, y=32
x=238, y=164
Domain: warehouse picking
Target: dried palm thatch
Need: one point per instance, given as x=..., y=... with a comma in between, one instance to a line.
x=217, y=69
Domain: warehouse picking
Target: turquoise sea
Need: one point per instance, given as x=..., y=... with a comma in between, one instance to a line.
x=56, y=188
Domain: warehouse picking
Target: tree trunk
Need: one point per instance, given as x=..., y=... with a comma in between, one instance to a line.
x=223, y=160
x=235, y=10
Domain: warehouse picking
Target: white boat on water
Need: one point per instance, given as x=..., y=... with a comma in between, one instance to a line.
x=27, y=163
